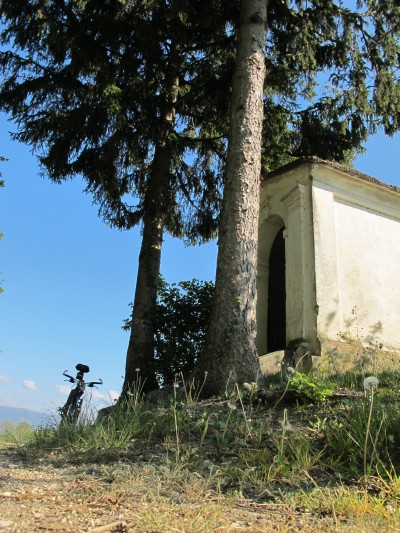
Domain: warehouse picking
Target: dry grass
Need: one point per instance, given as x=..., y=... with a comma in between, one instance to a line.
x=125, y=497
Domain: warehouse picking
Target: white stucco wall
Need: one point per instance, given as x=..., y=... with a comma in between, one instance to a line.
x=357, y=253
x=342, y=246
x=368, y=274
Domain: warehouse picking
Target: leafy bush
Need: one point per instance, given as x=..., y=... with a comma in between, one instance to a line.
x=182, y=316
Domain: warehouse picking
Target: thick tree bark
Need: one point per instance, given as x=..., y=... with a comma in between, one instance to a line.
x=140, y=354
x=230, y=352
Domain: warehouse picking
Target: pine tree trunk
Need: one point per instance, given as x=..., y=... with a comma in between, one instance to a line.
x=140, y=354
x=230, y=352
x=140, y=360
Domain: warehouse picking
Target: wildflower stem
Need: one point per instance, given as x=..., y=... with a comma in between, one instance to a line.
x=176, y=423
x=282, y=396
x=248, y=430
x=367, y=433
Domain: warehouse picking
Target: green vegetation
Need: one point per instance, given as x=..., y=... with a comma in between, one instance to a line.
x=182, y=315
x=14, y=434
x=319, y=450
x=310, y=387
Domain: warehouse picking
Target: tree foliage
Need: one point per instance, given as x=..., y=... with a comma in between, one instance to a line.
x=90, y=101
x=331, y=76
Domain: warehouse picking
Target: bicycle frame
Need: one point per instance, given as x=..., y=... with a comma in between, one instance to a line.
x=73, y=406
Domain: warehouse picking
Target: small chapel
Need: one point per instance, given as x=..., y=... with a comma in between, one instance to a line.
x=328, y=275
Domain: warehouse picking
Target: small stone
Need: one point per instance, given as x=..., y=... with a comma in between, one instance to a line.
x=5, y=523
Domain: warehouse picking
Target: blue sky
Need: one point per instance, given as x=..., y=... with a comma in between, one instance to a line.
x=68, y=278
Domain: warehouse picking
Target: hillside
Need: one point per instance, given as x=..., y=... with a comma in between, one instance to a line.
x=17, y=415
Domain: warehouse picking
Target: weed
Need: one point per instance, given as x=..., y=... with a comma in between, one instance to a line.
x=310, y=387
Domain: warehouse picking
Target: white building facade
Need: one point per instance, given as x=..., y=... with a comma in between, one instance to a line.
x=329, y=261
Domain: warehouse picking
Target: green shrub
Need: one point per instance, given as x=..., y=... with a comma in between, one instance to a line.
x=181, y=320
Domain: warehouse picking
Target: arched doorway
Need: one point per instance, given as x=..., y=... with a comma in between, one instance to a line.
x=276, y=322
x=271, y=286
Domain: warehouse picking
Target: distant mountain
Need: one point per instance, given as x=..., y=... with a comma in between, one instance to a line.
x=17, y=415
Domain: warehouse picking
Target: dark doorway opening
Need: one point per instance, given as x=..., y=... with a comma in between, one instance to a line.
x=276, y=334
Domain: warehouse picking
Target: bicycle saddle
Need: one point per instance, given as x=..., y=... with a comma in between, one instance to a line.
x=82, y=368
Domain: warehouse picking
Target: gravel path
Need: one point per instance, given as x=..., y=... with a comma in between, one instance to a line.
x=123, y=498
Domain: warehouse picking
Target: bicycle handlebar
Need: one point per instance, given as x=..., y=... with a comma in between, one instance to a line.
x=89, y=384
x=72, y=379
x=92, y=383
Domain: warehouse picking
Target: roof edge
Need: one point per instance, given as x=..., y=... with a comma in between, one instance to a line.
x=311, y=160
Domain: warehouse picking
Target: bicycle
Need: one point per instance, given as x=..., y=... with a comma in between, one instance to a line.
x=72, y=408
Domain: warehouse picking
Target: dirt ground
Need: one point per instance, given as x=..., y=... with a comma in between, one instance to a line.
x=123, y=498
